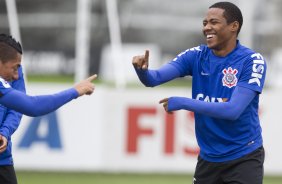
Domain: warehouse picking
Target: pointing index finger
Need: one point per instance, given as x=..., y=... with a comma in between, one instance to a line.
x=146, y=56
x=91, y=78
x=163, y=100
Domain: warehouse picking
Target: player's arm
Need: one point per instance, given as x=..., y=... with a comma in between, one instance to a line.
x=230, y=110
x=12, y=118
x=43, y=104
x=151, y=78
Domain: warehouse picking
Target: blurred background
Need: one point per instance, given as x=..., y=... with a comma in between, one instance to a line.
x=64, y=41
x=52, y=31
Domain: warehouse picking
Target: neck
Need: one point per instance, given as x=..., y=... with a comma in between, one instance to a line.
x=226, y=48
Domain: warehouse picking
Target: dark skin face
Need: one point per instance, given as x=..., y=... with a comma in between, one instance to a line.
x=9, y=69
x=220, y=36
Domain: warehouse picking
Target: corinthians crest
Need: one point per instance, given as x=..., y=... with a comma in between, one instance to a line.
x=229, y=79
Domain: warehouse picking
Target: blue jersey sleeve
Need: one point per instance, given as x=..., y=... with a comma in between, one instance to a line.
x=230, y=110
x=254, y=72
x=151, y=78
x=37, y=105
x=12, y=118
x=180, y=66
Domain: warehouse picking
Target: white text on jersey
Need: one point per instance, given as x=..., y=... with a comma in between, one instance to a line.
x=208, y=99
x=258, y=68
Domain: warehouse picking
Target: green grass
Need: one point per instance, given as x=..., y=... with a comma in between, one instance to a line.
x=51, y=78
x=29, y=177
x=183, y=82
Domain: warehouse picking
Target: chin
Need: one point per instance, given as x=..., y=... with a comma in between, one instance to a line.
x=211, y=46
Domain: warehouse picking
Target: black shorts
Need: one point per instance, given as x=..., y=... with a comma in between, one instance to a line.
x=245, y=170
x=8, y=175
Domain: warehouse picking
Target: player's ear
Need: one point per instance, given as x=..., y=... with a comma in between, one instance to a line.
x=234, y=26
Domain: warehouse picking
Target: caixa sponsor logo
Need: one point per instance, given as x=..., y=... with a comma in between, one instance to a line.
x=210, y=99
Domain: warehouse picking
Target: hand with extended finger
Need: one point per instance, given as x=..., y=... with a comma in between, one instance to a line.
x=164, y=102
x=141, y=62
x=86, y=87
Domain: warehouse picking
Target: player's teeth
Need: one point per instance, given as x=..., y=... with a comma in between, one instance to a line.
x=209, y=36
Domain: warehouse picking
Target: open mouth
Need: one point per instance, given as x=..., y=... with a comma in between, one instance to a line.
x=210, y=36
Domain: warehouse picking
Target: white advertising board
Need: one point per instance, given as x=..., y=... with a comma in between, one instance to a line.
x=125, y=131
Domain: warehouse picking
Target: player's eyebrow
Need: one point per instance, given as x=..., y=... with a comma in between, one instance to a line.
x=205, y=21
x=210, y=20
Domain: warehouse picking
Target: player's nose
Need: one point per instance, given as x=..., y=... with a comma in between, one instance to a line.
x=206, y=28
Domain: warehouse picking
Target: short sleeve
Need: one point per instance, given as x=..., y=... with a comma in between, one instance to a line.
x=253, y=73
x=184, y=61
x=4, y=87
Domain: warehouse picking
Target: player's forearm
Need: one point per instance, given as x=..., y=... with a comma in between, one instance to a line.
x=215, y=110
x=151, y=78
x=37, y=105
x=230, y=110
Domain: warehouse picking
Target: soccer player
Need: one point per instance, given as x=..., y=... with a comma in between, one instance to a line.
x=10, y=62
x=227, y=79
x=9, y=122
x=13, y=98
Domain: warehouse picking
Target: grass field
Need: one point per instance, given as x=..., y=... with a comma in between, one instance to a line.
x=25, y=177
x=70, y=80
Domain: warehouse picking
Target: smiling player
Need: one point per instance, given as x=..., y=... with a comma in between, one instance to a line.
x=227, y=79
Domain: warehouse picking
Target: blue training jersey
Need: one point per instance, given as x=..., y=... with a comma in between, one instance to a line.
x=214, y=79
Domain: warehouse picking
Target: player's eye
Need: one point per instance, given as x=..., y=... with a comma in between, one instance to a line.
x=214, y=22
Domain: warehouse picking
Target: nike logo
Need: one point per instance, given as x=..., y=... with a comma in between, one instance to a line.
x=203, y=73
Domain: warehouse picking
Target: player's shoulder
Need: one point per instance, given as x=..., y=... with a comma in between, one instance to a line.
x=4, y=83
x=196, y=49
x=246, y=51
x=188, y=53
x=5, y=87
x=199, y=49
x=248, y=54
